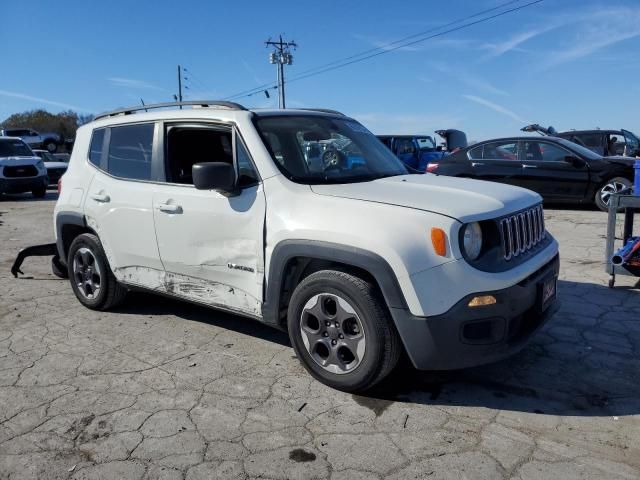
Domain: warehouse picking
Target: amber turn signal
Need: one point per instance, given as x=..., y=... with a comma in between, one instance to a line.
x=482, y=301
x=439, y=241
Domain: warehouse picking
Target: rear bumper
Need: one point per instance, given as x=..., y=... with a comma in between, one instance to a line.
x=19, y=185
x=465, y=337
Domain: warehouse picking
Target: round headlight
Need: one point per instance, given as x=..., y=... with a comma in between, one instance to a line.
x=472, y=240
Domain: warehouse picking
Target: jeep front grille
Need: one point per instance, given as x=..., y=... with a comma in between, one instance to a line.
x=522, y=232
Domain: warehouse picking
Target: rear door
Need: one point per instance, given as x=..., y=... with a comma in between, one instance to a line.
x=119, y=202
x=497, y=162
x=211, y=245
x=548, y=171
x=405, y=150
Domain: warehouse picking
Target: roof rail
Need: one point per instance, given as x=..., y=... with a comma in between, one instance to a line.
x=190, y=103
x=323, y=110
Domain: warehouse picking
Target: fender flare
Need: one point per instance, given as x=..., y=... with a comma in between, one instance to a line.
x=67, y=218
x=371, y=262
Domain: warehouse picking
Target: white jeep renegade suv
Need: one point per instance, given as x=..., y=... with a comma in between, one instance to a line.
x=356, y=258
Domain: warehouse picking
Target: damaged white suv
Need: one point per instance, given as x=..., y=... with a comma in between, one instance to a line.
x=356, y=258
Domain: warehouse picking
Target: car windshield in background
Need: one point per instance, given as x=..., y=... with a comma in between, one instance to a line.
x=14, y=148
x=426, y=143
x=584, y=151
x=319, y=149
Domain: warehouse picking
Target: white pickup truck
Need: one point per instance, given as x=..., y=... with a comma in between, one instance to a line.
x=356, y=258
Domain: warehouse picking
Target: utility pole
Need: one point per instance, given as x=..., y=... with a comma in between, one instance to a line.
x=281, y=56
x=179, y=86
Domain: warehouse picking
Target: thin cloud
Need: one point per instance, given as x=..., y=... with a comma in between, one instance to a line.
x=496, y=108
x=132, y=83
x=598, y=30
x=44, y=101
x=513, y=43
x=471, y=80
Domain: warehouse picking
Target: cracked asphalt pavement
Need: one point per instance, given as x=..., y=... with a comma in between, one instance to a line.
x=161, y=389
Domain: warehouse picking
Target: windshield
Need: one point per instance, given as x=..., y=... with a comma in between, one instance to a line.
x=14, y=148
x=321, y=149
x=426, y=143
x=584, y=151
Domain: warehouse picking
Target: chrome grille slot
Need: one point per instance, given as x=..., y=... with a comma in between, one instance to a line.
x=522, y=232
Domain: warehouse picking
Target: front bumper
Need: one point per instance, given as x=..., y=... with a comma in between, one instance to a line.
x=465, y=337
x=22, y=184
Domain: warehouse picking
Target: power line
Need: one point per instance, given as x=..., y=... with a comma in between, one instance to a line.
x=392, y=46
x=280, y=56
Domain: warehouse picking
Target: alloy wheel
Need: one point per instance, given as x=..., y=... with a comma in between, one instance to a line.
x=87, y=273
x=610, y=189
x=332, y=333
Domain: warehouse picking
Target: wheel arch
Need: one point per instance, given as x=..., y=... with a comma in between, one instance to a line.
x=293, y=260
x=68, y=226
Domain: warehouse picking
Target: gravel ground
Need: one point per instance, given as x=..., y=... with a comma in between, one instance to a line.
x=163, y=389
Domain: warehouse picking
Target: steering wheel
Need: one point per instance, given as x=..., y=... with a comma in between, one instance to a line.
x=332, y=159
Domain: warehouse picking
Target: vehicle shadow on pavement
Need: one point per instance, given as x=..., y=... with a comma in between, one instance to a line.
x=583, y=362
x=139, y=303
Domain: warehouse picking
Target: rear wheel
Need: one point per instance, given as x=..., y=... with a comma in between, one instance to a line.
x=341, y=331
x=51, y=146
x=611, y=187
x=90, y=275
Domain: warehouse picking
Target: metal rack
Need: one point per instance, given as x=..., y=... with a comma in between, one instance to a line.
x=629, y=205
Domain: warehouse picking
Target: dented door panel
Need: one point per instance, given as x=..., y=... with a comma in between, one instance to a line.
x=211, y=246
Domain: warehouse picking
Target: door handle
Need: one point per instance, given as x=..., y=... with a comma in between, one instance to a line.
x=525, y=165
x=168, y=208
x=100, y=197
x=476, y=164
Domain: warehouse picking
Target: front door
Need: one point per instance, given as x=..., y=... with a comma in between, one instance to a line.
x=548, y=170
x=211, y=245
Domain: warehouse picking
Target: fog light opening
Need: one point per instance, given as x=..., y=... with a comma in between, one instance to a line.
x=482, y=301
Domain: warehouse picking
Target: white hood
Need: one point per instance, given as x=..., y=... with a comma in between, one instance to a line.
x=464, y=199
x=56, y=165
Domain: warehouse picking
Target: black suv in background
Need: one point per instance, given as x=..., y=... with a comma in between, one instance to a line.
x=607, y=143
x=557, y=169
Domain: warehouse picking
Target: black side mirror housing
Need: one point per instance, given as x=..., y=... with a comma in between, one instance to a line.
x=219, y=176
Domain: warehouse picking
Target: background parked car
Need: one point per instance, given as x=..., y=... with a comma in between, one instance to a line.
x=603, y=142
x=557, y=169
x=47, y=141
x=21, y=170
x=417, y=151
x=55, y=167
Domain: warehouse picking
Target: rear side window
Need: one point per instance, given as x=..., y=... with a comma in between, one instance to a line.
x=476, y=153
x=130, y=149
x=95, y=150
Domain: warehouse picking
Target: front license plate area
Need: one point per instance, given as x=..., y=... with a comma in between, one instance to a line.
x=547, y=289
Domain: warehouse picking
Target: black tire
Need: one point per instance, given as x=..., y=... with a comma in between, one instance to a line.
x=50, y=146
x=39, y=192
x=58, y=269
x=612, y=185
x=382, y=343
x=108, y=293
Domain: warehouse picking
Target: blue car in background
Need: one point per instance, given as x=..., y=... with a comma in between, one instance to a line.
x=418, y=151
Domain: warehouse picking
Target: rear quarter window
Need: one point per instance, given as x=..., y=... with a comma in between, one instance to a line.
x=95, y=150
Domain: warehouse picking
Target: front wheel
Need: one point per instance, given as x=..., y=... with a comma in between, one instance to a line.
x=39, y=192
x=90, y=275
x=341, y=331
x=611, y=187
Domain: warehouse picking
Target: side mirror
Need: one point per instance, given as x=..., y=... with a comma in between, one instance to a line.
x=575, y=161
x=220, y=176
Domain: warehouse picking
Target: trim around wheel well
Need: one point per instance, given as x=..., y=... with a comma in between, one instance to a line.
x=68, y=226
x=288, y=251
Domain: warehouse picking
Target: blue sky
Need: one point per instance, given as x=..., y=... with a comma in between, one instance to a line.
x=566, y=63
